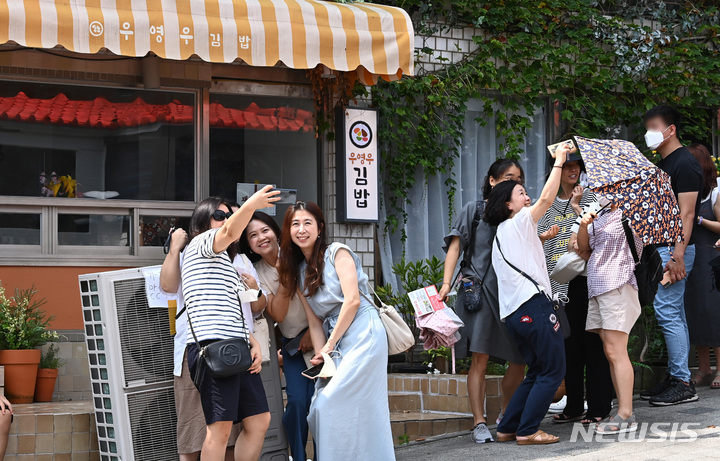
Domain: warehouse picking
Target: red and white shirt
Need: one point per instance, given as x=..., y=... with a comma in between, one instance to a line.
x=611, y=263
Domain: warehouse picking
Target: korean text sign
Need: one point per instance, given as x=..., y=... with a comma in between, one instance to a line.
x=357, y=165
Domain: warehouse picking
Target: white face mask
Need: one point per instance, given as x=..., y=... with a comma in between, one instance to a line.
x=653, y=139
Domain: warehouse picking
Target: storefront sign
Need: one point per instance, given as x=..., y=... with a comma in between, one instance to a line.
x=358, y=194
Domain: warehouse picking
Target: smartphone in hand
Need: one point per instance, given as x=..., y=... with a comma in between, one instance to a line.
x=313, y=372
x=666, y=280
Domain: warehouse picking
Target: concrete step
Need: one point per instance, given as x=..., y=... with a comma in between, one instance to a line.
x=443, y=393
x=57, y=430
x=405, y=402
x=417, y=425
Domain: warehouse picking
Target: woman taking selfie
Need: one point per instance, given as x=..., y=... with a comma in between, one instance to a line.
x=210, y=286
x=483, y=335
x=261, y=243
x=349, y=415
x=524, y=287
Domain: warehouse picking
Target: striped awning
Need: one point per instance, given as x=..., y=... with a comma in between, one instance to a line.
x=372, y=39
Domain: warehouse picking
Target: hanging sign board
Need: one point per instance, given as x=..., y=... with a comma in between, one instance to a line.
x=357, y=171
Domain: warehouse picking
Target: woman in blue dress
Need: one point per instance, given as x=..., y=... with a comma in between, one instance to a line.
x=349, y=416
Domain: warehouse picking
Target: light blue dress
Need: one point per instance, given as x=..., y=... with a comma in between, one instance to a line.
x=349, y=415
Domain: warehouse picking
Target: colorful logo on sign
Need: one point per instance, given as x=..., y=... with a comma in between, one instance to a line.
x=360, y=134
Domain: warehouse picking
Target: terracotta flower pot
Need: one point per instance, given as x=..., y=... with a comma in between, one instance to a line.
x=45, y=384
x=21, y=367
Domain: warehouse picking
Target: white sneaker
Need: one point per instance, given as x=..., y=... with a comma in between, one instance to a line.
x=481, y=434
x=559, y=406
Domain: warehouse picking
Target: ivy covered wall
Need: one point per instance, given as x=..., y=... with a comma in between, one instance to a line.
x=601, y=64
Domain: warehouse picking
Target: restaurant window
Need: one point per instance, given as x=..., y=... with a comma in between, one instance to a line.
x=94, y=142
x=20, y=228
x=262, y=140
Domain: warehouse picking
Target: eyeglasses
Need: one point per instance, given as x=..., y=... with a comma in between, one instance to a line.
x=220, y=215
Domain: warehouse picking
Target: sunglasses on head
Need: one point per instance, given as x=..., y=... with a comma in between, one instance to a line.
x=219, y=215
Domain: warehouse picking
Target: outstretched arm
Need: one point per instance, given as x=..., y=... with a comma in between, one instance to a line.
x=235, y=225
x=547, y=196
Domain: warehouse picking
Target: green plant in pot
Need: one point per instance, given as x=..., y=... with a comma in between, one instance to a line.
x=47, y=374
x=23, y=328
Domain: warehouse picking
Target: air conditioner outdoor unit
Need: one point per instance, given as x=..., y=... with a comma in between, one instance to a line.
x=130, y=351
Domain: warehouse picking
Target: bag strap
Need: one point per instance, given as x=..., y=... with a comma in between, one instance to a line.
x=473, y=228
x=192, y=330
x=630, y=239
x=497, y=242
x=466, y=253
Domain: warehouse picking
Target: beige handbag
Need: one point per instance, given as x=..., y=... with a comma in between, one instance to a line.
x=400, y=337
x=567, y=267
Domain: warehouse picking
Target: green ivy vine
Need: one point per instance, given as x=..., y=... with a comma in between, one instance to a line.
x=602, y=63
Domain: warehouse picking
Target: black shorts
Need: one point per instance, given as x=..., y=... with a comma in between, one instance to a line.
x=227, y=399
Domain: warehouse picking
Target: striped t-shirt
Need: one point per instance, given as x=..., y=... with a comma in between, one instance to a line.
x=210, y=286
x=562, y=214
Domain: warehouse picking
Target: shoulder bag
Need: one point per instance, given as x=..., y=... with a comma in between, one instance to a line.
x=648, y=268
x=224, y=357
x=471, y=285
x=558, y=306
x=400, y=336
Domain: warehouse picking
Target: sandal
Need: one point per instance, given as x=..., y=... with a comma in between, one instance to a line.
x=700, y=378
x=562, y=418
x=617, y=425
x=538, y=438
x=715, y=384
x=500, y=437
x=591, y=420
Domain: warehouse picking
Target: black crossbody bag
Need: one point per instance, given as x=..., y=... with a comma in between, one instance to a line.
x=558, y=306
x=224, y=357
x=471, y=285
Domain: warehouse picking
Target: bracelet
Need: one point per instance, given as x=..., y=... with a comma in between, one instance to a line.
x=557, y=166
x=673, y=259
x=445, y=283
x=700, y=220
x=260, y=293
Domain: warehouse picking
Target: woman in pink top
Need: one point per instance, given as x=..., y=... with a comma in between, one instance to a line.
x=614, y=306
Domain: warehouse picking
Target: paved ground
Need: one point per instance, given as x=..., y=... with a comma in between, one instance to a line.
x=690, y=431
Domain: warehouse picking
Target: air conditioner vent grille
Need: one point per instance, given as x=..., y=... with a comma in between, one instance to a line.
x=153, y=421
x=147, y=347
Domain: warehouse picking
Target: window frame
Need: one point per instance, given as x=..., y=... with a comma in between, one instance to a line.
x=50, y=253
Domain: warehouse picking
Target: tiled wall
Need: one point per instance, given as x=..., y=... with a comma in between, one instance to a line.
x=448, y=45
x=73, y=381
x=359, y=237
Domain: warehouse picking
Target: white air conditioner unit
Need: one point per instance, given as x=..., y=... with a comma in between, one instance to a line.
x=130, y=351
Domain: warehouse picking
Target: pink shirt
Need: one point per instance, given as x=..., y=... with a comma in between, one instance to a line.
x=611, y=263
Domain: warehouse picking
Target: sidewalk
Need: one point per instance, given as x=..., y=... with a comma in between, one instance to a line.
x=690, y=431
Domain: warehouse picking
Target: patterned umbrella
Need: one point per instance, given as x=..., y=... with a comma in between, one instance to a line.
x=617, y=170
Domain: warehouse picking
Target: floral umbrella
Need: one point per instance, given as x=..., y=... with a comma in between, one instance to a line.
x=617, y=170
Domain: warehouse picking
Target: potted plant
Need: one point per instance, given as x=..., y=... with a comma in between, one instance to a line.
x=47, y=374
x=23, y=328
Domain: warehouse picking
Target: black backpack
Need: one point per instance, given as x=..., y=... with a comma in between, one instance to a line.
x=649, y=268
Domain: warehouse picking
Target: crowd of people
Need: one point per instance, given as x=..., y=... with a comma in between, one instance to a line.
x=513, y=247
x=313, y=290
x=317, y=294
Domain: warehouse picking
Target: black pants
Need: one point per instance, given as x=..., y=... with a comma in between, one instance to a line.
x=587, y=368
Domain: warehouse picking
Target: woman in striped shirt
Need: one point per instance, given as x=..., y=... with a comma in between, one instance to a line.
x=210, y=285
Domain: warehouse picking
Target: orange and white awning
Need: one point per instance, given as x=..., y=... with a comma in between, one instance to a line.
x=375, y=40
